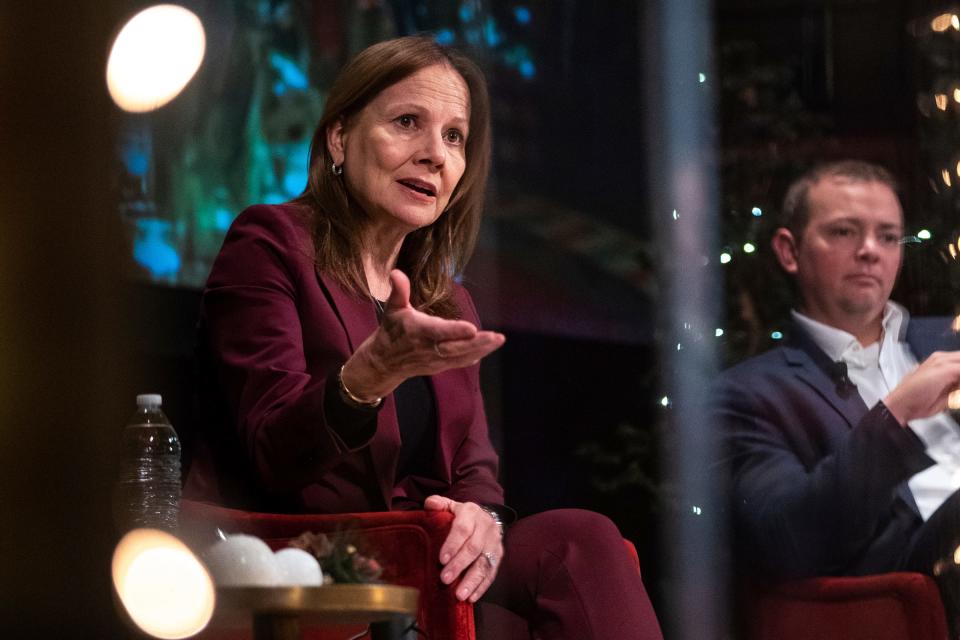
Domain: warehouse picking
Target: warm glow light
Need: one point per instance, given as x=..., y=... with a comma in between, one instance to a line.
x=941, y=100
x=956, y=94
x=164, y=588
x=955, y=22
x=946, y=177
x=154, y=57
x=956, y=324
x=953, y=251
x=953, y=400
x=941, y=23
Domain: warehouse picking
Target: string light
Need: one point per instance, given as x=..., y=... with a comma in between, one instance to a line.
x=757, y=212
x=776, y=335
x=946, y=177
x=941, y=101
x=718, y=332
x=924, y=234
x=749, y=248
x=725, y=258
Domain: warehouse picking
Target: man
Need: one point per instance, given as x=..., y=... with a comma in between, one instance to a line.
x=841, y=457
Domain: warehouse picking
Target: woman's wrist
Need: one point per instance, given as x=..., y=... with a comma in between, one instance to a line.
x=354, y=397
x=490, y=511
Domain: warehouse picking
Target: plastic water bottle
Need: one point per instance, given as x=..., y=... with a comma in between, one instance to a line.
x=148, y=492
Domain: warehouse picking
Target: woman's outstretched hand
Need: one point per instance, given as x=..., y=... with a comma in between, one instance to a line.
x=411, y=343
x=473, y=548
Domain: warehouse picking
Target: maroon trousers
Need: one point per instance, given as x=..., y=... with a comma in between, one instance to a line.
x=566, y=574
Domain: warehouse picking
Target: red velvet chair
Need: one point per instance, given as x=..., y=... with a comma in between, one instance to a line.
x=406, y=543
x=889, y=606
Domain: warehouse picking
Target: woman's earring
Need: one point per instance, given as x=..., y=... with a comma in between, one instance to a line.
x=336, y=169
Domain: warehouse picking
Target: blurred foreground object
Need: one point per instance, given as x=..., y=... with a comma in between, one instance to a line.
x=163, y=587
x=148, y=491
x=155, y=55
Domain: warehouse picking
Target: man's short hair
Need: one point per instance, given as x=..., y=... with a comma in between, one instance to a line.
x=795, y=212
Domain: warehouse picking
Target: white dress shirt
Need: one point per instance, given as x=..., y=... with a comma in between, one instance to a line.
x=876, y=370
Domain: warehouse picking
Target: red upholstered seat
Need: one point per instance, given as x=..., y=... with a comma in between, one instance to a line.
x=889, y=606
x=406, y=543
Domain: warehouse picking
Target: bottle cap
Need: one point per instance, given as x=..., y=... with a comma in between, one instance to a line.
x=149, y=400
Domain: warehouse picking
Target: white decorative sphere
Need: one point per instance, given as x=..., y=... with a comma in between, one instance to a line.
x=242, y=560
x=298, y=568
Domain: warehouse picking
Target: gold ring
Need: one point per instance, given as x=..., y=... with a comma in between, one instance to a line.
x=490, y=558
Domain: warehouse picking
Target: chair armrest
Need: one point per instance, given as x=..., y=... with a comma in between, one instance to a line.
x=878, y=607
x=406, y=543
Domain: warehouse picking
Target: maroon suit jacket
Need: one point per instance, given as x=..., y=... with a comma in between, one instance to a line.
x=272, y=333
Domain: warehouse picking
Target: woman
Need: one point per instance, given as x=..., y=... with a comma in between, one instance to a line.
x=345, y=356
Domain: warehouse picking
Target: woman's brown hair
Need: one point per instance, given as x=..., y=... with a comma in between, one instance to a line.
x=430, y=256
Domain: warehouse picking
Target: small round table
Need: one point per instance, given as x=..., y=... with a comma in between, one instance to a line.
x=278, y=611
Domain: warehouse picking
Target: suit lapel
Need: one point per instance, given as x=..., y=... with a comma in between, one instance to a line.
x=813, y=366
x=358, y=315
x=359, y=319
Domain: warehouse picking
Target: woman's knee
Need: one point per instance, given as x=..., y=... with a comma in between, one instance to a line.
x=576, y=526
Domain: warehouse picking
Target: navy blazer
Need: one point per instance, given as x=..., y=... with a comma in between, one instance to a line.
x=817, y=482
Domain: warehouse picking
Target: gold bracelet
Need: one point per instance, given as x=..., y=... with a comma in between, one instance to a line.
x=351, y=399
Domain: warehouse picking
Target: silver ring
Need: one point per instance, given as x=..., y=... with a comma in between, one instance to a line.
x=436, y=347
x=490, y=558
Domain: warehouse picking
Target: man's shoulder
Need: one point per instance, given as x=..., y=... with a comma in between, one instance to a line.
x=770, y=361
x=926, y=334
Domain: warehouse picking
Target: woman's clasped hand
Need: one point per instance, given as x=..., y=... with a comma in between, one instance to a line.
x=472, y=550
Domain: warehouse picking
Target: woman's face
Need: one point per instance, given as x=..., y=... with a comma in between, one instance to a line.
x=405, y=152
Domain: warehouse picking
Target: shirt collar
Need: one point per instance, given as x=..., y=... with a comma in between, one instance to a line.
x=836, y=342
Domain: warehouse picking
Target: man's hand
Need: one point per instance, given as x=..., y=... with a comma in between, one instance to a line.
x=473, y=548
x=924, y=391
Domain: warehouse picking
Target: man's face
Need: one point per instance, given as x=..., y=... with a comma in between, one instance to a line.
x=848, y=256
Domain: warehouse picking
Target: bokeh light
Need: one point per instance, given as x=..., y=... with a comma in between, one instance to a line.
x=164, y=588
x=154, y=56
